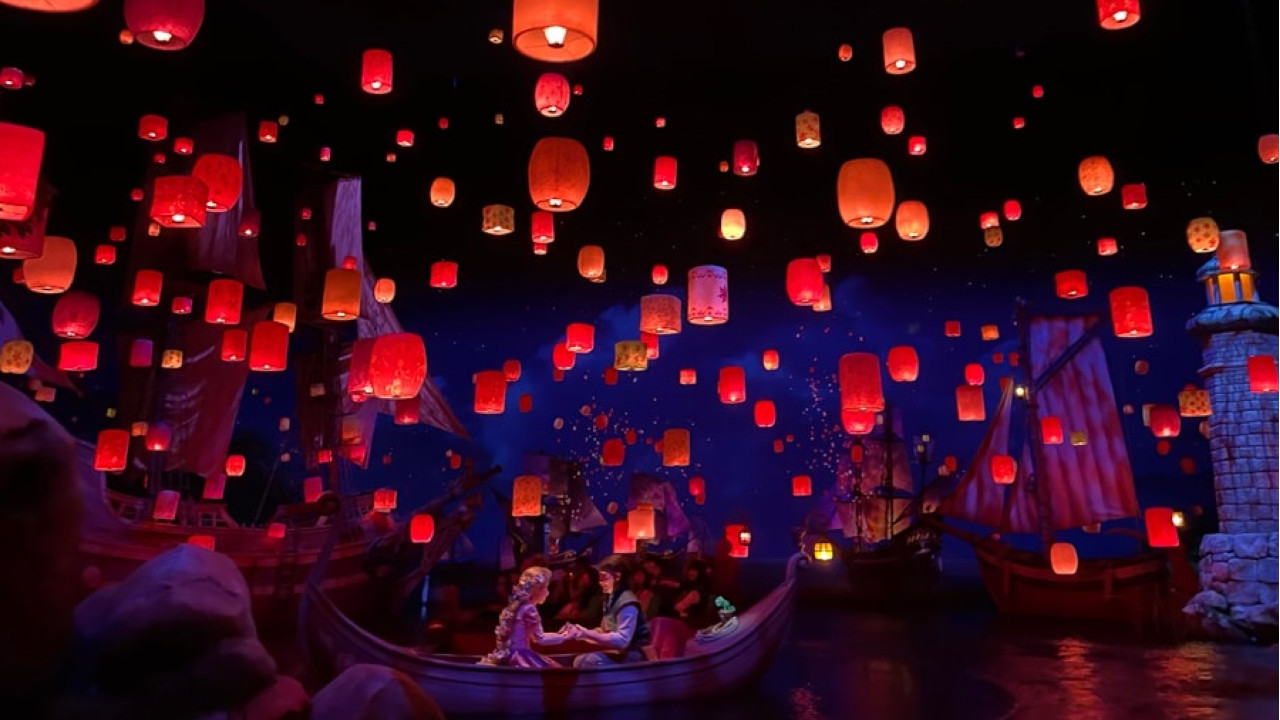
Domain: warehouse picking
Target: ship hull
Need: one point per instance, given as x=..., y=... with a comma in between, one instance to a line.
x=905, y=573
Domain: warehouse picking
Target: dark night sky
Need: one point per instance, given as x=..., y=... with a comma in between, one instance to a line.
x=1177, y=102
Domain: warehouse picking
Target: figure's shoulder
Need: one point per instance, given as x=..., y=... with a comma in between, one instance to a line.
x=528, y=612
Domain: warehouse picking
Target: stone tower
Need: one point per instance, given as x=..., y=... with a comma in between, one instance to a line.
x=1238, y=564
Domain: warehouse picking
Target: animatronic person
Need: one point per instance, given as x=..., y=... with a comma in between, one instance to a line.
x=519, y=625
x=624, y=632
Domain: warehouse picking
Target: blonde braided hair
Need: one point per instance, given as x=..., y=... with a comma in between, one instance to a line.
x=530, y=579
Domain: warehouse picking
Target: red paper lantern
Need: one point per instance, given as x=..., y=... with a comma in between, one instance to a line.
x=623, y=543
x=733, y=385
x=512, y=370
x=147, y=285
x=1037, y=91
x=974, y=374
x=613, y=453
x=179, y=201
x=491, y=392
x=1071, y=284
x=235, y=344
x=1161, y=532
x=917, y=145
x=269, y=346
x=664, y=173
x=1019, y=122
x=235, y=465
x=181, y=305
x=899, y=51
x=112, y=451
x=1118, y=14
x=1165, y=421
x=989, y=220
x=746, y=158
x=697, y=486
x=969, y=404
x=1051, y=430
x=562, y=358
x=892, y=120
x=766, y=413
x=804, y=281
x=1004, y=469
x=1012, y=210
x=551, y=94
x=801, y=486
x=1134, y=196
x=869, y=242
x=608, y=143
x=76, y=314
x=208, y=542
x=183, y=146
x=21, y=152
x=544, y=227
x=164, y=24
x=580, y=338
x=158, y=437
x=11, y=78
x=858, y=422
x=223, y=176
x=141, y=352
x=1131, y=312
x=1233, y=250
x=559, y=174
x=951, y=328
x=860, y=387
x=385, y=500
x=688, y=376
x=398, y=366
x=422, y=529
x=1264, y=377
x=153, y=127
x=1063, y=558
x=444, y=274
x=1269, y=149
x=376, y=72
x=1107, y=246
x=770, y=360
x=225, y=299
x=250, y=222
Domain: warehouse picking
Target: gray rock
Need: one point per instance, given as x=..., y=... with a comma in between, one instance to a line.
x=373, y=692
x=1206, y=600
x=1250, y=545
x=1215, y=543
x=1246, y=570
x=1273, y=544
x=1268, y=570
x=1244, y=593
x=1257, y=620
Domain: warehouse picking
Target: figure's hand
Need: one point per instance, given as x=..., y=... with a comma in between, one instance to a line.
x=570, y=631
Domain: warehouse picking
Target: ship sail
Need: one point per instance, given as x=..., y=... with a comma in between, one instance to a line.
x=976, y=497
x=879, y=492
x=649, y=490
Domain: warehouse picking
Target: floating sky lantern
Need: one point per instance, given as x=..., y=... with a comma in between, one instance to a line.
x=630, y=356
x=892, y=120
x=912, y=220
x=808, y=130
x=732, y=385
x=16, y=357
x=688, y=376
x=591, y=261
x=660, y=314
x=865, y=194
x=1162, y=532
x=491, y=392
x=1108, y=246
x=708, y=295
x=969, y=404
x=542, y=225
x=224, y=178
x=269, y=347
x=899, y=51
x=974, y=374
x=664, y=172
x=659, y=275
x=141, y=352
x=341, y=299
x=422, y=529
x=111, y=454
x=376, y=71
x=1118, y=14
x=1202, y=235
x=1133, y=196
x=868, y=243
x=640, y=522
x=675, y=447
x=224, y=302
x=917, y=145
x=769, y=359
x=1004, y=469
x=164, y=24
x=1096, y=176
x=179, y=201
x=498, y=219
x=562, y=358
x=733, y=224
x=804, y=281
x=442, y=192
x=52, y=272
x=1131, y=312
x=845, y=52
x=903, y=363
x=1264, y=375
x=951, y=328
x=1051, y=430
x=765, y=413
x=746, y=158
x=1233, y=250
x=559, y=174
x=235, y=344
x=75, y=315
x=551, y=94
x=555, y=30
x=1269, y=149
x=1063, y=558
x=1071, y=284
x=860, y=386
x=21, y=153
x=580, y=337
x=444, y=274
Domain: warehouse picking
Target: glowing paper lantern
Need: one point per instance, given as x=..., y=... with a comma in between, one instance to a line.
x=141, y=352
x=1096, y=176
x=845, y=52
x=969, y=404
x=11, y=78
x=75, y=315
x=1194, y=402
x=804, y=281
x=1107, y=246
x=630, y=356
x=801, y=486
x=179, y=201
x=912, y=220
x=52, y=272
x=869, y=243
x=708, y=295
x=1203, y=235
x=551, y=94
x=250, y=222
x=1264, y=376
x=223, y=176
x=235, y=344
x=613, y=452
x=892, y=120
x=864, y=191
x=990, y=332
x=733, y=224
x=664, y=172
x=808, y=130
x=698, y=487
x=442, y=192
x=235, y=465
x=1004, y=469
x=660, y=314
x=688, y=376
x=974, y=374
x=733, y=385
x=497, y=220
x=559, y=174
x=1063, y=558
x=561, y=358
x=422, y=529
x=1071, y=284
x=580, y=338
x=444, y=274
x=993, y=237
x=1131, y=312
x=903, y=363
x=1012, y=210
x=659, y=275
x=1134, y=196
x=951, y=328
x=1165, y=421
x=225, y=299
x=640, y=522
x=675, y=447
x=917, y=145
x=269, y=346
x=746, y=158
x=384, y=290
x=543, y=226
x=1233, y=250
x=16, y=357
x=112, y=451
x=623, y=543
x=769, y=358
x=1051, y=430
x=164, y=24
x=1118, y=14
x=21, y=152
x=765, y=413
x=491, y=392
x=899, y=51
x=988, y=220
x=341, y=300
x=555, y=30
x=158, y=437
x=591, y=261
x=1269, y=149
x=1161, y=530
x=153, y=127
x=860, y=386
x=511, y=369
x=376, y=71
x=171, y=359
x=286, y=314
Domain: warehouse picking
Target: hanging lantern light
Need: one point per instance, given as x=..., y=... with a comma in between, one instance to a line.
x=903, y=363
x=76, y=315
x=559, y=174
x=732, y=386
x=444, y=274
x=899, y=51
x=164, y=24
x=912, y=220
x=269, y=346
x=804, y=281
x=808, y=130
x=341, y=300
x=869, y=243
x=660, y=314
x=664, y=172
x=1096, y=176
x=53, y=271
x=235, y=344
x=1071, y=284
x=630, y=356
x=225, y=299
x=1118, y=14
x=21, y=153
x=675, y=447
x=1131, y=312
x=551, y=94
x=969, y=404
x=376, y=71
x=765, y=413
x=864, y=191
x=892, y=120
x=1063, y=558
x=498, y=219
x=860, y=387
x=733, y=224
x=708, y=295
x=746, y=158
x=16, y=357
x=491, y=392
x=179, y=201
x=555, y=30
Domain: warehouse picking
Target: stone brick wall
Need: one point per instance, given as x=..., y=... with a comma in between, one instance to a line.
x=1243, y=434
x=1240, y=583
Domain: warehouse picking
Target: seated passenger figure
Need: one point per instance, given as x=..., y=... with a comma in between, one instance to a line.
x=519, y=625
x=624, y=631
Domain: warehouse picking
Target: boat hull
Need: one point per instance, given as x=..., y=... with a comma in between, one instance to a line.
x=462, y=687
x=904, y=573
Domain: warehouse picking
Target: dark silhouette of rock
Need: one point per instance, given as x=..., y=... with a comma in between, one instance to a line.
x=373, y=692
x=39, y=541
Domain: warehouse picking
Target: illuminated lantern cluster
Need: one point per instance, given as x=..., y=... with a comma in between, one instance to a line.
x=864, y=191
x=551, y=94
x=808, y=130
x=341, y=299
x=491, y=392
x=1131, y=312
x=675, y=447
x=804, y=281
x=76, y=315
x=664, y=172
x=899, y=51
x=746, y=158
x=444, y=274
x=224, y=178
x=1096, y=176
x=912, y=220
x=860, y=386
x=1264, y=375
x=179, y=201
x=559, y=174
x=708, y=295
x=732, y=385
x=1118, y=14
x=376, y=71
x=660, y=314
x=892, y=120
x=1071, y=284
x=21, y=152
x=560, y=31
x=164, y=24
x=498, y=219
x=733, y=224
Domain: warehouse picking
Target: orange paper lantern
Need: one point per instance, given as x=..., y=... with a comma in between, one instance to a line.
x=442, y=192
x=555, y=30
x=899, y=51
x=1096, y=176
x=912, y=220
x=1063, y=558
x=559, y=174
x=551, y=94
x=969, y=404
x=341, y=299
x=864, y=191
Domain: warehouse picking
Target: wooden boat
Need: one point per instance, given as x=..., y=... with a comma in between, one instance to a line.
x=904, y=572
x=1074, y=482
x=461, y=687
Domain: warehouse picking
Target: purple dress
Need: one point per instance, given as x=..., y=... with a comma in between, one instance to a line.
x=526, y=629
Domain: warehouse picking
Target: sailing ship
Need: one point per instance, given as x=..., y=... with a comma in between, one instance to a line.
x=1078, y=481
x=892, y=559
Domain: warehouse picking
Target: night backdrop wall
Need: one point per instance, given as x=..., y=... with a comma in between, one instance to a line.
x=1176, y=102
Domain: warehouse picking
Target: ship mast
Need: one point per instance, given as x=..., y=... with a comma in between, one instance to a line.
x=1033, y=432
